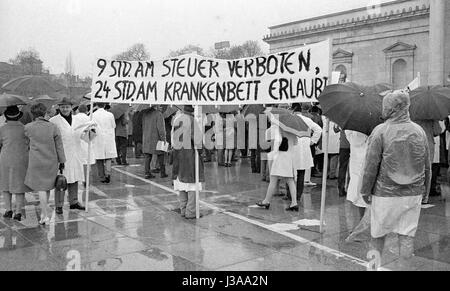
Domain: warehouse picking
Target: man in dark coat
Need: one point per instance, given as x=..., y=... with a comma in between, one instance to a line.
x=121, y=139
x=137, y=133
x=153, y=130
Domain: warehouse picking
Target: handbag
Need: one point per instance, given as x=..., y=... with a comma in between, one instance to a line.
x=60, y=182
x=284, y=146
x=162, y=146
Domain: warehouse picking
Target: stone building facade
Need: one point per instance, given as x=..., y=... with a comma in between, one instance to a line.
x=388, y=43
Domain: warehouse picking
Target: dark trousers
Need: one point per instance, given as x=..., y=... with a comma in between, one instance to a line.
x=255, y=160
x=73, y=195
x=300, y=183
x=137, y=149
x=344, y=157
x=148, y=160
x=122, y=144
x=434, y=175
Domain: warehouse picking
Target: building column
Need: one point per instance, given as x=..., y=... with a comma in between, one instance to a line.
x=436, y=43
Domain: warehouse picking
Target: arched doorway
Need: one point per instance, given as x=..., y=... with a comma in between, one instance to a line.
x=399, y=74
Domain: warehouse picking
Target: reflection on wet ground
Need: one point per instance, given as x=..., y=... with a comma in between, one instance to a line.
x=133, y=224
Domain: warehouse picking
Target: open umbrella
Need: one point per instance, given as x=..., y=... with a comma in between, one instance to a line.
x=46, y=100
x=119, y=109
x=11, y=99
x=32, y=85
x=288, y=122
x=430, y=103
x=352, y=106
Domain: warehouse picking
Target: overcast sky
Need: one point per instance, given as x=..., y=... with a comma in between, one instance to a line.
x=102, y=28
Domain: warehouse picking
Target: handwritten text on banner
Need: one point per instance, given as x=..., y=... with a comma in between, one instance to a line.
x=294, y=76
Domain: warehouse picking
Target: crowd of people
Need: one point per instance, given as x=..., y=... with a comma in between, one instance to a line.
x=390, y=171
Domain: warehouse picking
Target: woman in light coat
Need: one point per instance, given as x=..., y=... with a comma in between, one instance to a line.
x=104, y=145
x=13, y=162
x=46, y=151
x=358, y=148
x=283, y=166
x=303, y=157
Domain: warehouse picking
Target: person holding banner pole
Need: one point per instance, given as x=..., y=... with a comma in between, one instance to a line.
x=104, y=145
x=188, y=169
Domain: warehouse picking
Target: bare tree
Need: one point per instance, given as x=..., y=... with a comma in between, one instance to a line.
x=137, y=52
x=187, y=50
x=28, y=60
x=251, y=48
x=248, y=49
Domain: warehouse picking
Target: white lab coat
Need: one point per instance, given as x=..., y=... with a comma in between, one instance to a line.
x=71, y=138
x=333, y=139
x=104, y=144
x=358, y=148
x=303, y=155
x=81, y=121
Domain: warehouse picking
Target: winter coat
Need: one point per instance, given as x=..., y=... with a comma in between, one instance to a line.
x=137, y=127
x=46, y=151
x=397, y=162
x=104, y=144
x=13, y=158
x=79, y=122
x=184, y=159
x=121, y=126
x=73, y=168
x=153, y=129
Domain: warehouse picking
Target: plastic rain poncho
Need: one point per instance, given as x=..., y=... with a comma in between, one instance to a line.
x=398, y=158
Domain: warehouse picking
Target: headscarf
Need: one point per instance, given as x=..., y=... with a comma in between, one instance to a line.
x=396, y=105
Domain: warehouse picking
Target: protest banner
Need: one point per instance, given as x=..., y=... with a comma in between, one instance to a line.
x=299, y=75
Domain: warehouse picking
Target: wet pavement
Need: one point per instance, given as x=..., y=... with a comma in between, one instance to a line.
x=133, y=224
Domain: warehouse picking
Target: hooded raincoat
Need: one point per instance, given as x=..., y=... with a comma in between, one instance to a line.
x=397, y=171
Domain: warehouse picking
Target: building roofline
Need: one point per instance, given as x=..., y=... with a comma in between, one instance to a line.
x=335, y=14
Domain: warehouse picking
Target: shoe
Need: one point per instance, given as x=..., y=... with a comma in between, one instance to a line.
x=77, y=206
x=119, y=163
x=425, y=202
x=44, y=220
x=193, y=217
x=18, y=217
x=125, y=164
x=150, y=176
x=260, y=204
x=287, y=198
x=108, y=180
x=164, y=176
x=292, y=208
x=59, y=210
x=8, y=214
x=155, y=171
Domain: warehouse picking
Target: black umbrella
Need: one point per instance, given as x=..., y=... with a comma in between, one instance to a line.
x=352, y=106
x=430, y=103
